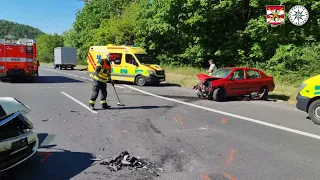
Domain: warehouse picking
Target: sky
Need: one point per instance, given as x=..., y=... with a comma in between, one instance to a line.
x=50, y=16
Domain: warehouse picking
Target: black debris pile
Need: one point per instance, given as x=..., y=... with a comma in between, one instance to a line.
x=133, y=163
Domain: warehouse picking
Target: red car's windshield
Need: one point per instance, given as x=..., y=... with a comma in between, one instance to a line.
x=222, y=72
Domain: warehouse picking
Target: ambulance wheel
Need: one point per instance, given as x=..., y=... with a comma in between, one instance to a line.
x=314, y=111
x=140, y=81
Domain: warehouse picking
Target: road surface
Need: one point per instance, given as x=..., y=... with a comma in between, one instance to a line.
x=190, y=138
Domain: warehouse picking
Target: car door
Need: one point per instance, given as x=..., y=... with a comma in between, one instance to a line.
x=253, y=80
x=130, y=67
x=236, y=85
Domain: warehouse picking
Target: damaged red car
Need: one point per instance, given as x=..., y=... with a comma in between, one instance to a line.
x=235, y=81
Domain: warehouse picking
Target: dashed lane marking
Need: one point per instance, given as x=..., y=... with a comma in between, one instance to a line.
x=230, y=114
x=77, y=101
x=119, y=86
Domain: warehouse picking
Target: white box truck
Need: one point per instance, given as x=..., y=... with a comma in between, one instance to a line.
x=65, y=57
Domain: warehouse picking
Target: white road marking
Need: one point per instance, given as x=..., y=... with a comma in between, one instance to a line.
x=83, y=78
x=77, y=101
x=230, y=114
x=119, y=86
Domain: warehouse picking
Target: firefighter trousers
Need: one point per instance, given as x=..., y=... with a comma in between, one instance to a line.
x=99, y=86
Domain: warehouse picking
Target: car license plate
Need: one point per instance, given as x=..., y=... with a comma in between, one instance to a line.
x=20, y=144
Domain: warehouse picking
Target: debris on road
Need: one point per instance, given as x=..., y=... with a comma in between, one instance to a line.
x=45, y=120
x=134, y=163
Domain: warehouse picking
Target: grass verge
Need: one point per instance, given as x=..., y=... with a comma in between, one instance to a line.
x=186, y=77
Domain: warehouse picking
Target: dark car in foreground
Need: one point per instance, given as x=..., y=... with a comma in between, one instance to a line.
x=234, y=81
x=18, y=139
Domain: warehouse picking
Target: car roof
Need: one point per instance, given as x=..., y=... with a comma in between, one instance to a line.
x=244, y=68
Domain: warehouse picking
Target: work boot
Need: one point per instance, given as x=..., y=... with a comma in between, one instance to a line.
x=105, y=106
x=91, y=106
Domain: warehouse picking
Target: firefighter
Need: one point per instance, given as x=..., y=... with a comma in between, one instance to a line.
x=101, y=77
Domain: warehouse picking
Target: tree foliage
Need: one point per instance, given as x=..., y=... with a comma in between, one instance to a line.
x=45, y=46
x=18, y=30
x=189, y=32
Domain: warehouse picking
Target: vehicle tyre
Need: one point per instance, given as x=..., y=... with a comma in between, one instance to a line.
x=314, y=111
x=140, y=81
x=60, y=67
x=218, y=94
x=72, y=68
x=266, y=92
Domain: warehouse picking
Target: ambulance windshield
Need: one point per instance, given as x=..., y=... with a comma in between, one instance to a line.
x=145, y=59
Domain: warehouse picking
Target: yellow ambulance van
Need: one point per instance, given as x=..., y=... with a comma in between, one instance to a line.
x=131, y=64
x=308, y=98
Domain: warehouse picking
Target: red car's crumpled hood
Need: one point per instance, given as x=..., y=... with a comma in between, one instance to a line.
x=205, y=77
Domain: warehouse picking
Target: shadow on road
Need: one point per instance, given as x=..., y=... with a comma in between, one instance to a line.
x=51, y=163
x=158, y=85
x=166, y=85
x=279, y=97
x=46, y=79
x=136, y=107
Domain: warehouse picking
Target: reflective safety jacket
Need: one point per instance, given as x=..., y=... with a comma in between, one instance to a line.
x=103, y=71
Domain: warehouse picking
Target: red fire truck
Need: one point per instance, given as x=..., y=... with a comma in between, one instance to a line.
x=18, y=59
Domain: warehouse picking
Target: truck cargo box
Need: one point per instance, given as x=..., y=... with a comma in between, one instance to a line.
x=65, y=57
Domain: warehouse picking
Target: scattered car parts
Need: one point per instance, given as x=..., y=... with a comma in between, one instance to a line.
x=125, y=160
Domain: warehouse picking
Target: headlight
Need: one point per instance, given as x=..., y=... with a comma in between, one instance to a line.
x=2, y=67
x=302, y=86
x=151, y=72
x=27, y=120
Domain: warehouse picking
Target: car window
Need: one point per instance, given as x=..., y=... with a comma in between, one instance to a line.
x=238, y=75
x=222, y=72
x=116, y=58
x=253, y=74
x=129, y=58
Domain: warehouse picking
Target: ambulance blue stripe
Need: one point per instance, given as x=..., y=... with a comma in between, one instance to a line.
x=317, y=88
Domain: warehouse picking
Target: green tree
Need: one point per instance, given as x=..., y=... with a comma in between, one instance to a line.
x=45, y=46
x=188, y=32
x=18, y=30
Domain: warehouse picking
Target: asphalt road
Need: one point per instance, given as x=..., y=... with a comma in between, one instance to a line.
x=190, y=138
